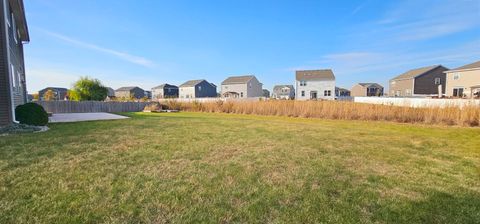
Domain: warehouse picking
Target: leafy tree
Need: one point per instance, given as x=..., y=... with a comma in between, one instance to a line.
x=88, y=89
x=49, y=95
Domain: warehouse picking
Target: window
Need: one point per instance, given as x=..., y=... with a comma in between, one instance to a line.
x=438, y=81
x=13, y=77
x=14, y=32
x=408, y=92
x=303, y=93
x=303, y=83
x=199, y=88
x=458, y=92
x=327, y=93
x=456, y=76
x=241, y=94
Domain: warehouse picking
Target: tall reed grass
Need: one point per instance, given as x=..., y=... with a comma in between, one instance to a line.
x=467, y=116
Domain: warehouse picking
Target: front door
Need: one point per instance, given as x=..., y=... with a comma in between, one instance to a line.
x=313, y=95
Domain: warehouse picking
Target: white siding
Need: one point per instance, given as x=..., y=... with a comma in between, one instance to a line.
x=318, y=86
x=187, y=92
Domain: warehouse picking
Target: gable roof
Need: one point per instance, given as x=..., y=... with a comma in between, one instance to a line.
x=469, y=66
x=165, y=85
x=370, y=85
x=127, y=88
x=416, y=72
x=110, y=91
x=321, y=74
x=192, y=83
x=54, y=89
x=341, y=89
x=238, y=79
x=279, y=87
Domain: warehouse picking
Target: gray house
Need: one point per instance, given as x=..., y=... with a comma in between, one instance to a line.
x=13, y=34
x=164, y=91
x=266, y=93
x=58, y=93
x=367, y=89
x=241, y=87
x=286, y=92
x=197, y=89
x=341, y=92
x=424, y=81
x=130, y=91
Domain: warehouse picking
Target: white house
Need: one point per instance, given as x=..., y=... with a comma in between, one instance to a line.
x=241, y=87
x=315, y=84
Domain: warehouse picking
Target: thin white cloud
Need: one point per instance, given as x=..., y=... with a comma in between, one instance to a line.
x=122, y=55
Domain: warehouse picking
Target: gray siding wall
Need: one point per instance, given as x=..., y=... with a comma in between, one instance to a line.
x=5, y=105
x=425, y=84
x=205, y=89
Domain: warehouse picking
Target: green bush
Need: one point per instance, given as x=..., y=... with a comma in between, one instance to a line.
x=31, y=114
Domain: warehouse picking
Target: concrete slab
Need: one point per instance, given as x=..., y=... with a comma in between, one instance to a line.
x=76, y=117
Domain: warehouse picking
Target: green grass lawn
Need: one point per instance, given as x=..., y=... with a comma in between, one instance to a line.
x=222, y=168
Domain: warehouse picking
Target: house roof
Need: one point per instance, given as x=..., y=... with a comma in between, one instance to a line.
x=237, y=79
x=278, y=87
x=54, y=88
x=164, y=85
x=469, y=66
x=322, y=74
x=192, y=83
x=127, y=88
x=370, y=85
x=341, y=89
x=416, y=72
x=19, y=12
x=110, y=91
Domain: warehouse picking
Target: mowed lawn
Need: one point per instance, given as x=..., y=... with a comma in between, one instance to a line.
x=223, y=168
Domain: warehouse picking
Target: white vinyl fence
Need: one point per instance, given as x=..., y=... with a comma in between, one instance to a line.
x=59, y=107
x=418, y=102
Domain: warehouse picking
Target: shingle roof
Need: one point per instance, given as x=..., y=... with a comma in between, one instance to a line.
x=415, y=72
x=341, y=89
x=237, y=79
x=110, y=91
x=370, y=85
x=191, y=83
x=54, y=88
x=322, y=74
x=469, y=66
x=279, y=87
x=164, y=85
x=126, y=88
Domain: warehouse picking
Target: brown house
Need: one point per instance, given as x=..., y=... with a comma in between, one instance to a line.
x=464, y=81
x=367, y=89
x=13, y=34
x=424, y=81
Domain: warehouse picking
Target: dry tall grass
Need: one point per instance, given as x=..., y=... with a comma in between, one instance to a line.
x=467, y=116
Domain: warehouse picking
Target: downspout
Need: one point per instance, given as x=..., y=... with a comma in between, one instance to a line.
x=9, y=66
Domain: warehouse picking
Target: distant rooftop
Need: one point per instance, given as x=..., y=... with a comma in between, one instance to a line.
x=237, y=79
x=416, y=72
x=321, y=74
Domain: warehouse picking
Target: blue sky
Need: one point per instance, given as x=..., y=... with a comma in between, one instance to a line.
x=148, y=42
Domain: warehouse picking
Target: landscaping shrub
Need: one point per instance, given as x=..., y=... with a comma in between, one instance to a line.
x=31, y=114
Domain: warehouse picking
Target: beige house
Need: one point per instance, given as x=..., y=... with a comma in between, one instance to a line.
x=464, y=81
x=425, y=81
x=367, y=89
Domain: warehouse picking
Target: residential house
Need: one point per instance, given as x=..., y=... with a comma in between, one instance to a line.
x=197, y=89
x=464, y=81
x=286, y=92
x=266, y=93
x=148, y=94
x=110, y=93
x=315, y=84
x=241, y=87
x=424, y=81
x=341, y=92
x=13, y=35
x=367, y=89
x=130, y=92
x=164, y=91
x=58, y=93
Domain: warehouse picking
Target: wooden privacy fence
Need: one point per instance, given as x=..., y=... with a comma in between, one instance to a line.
x=91, y=106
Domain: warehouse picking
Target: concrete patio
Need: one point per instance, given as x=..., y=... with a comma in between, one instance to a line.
x=76, y=117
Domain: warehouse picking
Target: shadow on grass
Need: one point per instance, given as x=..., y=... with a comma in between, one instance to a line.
x=438, y=207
